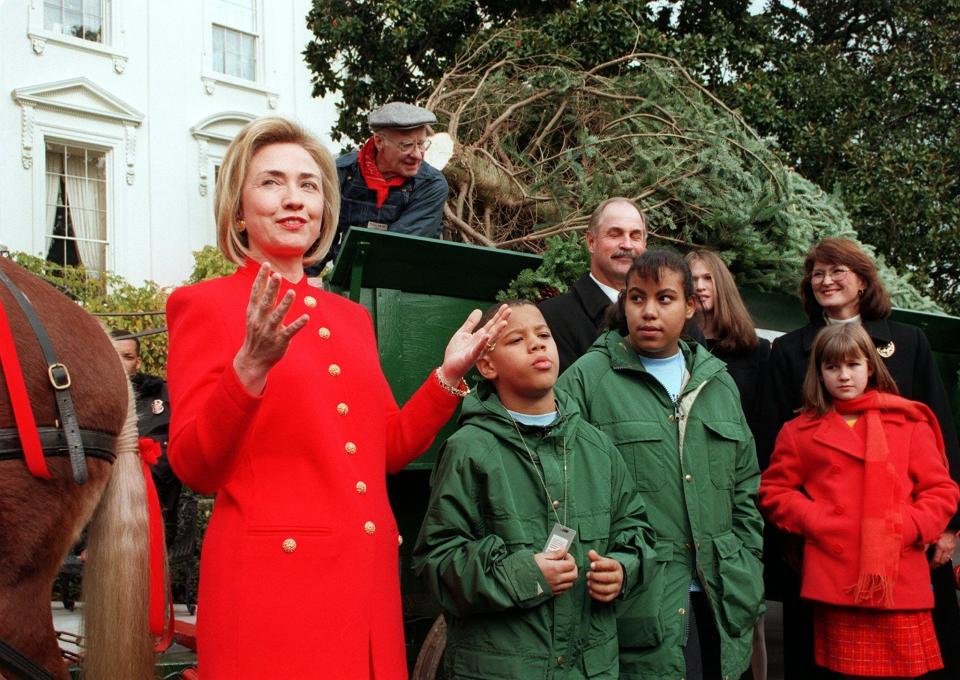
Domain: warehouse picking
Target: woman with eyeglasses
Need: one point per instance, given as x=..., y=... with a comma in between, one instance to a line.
x=841, y=284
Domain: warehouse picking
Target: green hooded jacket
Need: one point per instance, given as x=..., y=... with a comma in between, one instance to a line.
x=695, y=466
x=489, y=514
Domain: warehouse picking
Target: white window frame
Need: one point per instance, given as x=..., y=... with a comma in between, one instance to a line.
x=99, y=144
x=212, y=79
x=114, y=49
x=77, y=112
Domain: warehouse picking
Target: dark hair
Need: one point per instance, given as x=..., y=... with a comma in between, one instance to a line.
x=732, y=323
x=649, y=265
x=874, y=303
x=836, y=343
x=493, y=309
x=118, y=334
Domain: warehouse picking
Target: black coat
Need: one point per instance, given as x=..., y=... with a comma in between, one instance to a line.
x=911, y=365
x=575, y=318
x=153, y=421
x=747, y=370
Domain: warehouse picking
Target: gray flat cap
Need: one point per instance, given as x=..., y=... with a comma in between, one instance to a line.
x=400, y=116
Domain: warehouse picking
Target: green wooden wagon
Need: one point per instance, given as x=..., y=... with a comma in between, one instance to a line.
x=418, y=291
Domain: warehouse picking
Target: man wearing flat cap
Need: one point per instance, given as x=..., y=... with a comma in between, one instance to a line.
x=386, y=184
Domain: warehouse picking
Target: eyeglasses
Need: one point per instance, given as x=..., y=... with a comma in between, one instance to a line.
x=835, y=274
x=408, y=145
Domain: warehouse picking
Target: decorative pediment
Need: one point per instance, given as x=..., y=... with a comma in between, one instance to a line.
x=220, y=128
x=79, y=96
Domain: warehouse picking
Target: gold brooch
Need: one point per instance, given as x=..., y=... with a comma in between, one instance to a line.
x=887, y=350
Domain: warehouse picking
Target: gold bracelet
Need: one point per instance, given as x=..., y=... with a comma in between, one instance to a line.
x=461, y=390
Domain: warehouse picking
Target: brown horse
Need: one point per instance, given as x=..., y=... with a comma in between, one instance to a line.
x=40, y=519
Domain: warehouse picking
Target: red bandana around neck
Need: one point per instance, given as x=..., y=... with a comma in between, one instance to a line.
x=367, y=159
x=881, y=529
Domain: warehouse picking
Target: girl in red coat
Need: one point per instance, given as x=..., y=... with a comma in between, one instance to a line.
x=281, y=409
x=861, y=475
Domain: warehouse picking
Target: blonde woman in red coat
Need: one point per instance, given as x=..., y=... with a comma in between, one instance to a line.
x=861, y=474
x=281, y=409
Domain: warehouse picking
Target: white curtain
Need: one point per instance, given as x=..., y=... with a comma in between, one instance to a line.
x=54, y=175
x=85, y=199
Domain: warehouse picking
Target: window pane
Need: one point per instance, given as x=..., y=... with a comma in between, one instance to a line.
x=248, y=59
x=76, y=205
x=73, y=23
x=53, y=16
x=237, y=14
x=218, y=63
x=84, y=19
x=234, y=53
x=91, y=26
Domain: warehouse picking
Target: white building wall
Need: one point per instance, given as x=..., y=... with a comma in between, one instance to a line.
x=144, y=100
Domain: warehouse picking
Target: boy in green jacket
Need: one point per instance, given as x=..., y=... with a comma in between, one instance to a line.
x=674, y=413
x=534, y=527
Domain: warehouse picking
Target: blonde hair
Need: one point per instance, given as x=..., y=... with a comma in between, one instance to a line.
x=732, y=323
x=254, y=136
x=836, y=343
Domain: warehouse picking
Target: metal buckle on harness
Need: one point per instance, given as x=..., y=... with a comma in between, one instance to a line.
x=59, y=376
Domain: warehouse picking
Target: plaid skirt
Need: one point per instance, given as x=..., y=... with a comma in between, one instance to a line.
x=859, y=641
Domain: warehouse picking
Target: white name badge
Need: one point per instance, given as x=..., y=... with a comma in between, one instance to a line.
x=561, y=538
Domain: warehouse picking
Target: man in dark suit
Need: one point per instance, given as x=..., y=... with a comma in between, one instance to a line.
x=617, y=233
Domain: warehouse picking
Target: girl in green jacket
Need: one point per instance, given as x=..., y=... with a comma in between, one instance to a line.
x=674, y=413
x=533, y=528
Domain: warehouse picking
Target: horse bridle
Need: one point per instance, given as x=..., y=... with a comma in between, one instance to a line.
x=68, y=437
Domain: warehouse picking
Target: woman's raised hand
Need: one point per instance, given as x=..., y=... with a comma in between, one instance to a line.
x=466, y=346
x=267, y=338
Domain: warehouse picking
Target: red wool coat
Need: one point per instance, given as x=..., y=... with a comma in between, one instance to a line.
x=299, y=574
x=826, y=457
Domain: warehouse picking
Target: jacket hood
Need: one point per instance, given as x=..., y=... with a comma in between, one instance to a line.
x=482, y=408
x=701, y=364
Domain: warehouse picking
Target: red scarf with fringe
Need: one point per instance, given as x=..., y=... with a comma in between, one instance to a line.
x=367, y=159
x=881, y=528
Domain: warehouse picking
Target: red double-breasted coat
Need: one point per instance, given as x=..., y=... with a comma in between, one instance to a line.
x=825, y=456
x=299, y=573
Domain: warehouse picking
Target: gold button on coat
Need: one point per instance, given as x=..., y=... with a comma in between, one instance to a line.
x=681, y=611
x=688, y=477
x=556, y=504
x=324, y=333
x=310, y=301
x=361, y=487
x=370, y=527
x=350, y=448
x=334, y=370
x=343, y=409
x=288, y=545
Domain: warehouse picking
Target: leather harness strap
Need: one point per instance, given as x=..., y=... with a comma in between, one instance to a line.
x=60, y=380
x=53, y=442
x=12, y=659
